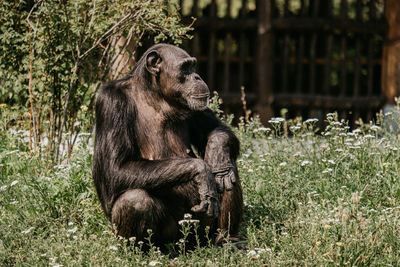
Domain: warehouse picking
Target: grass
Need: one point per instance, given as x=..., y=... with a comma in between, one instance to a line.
x=310, y=199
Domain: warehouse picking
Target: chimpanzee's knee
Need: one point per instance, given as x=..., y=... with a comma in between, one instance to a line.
x=136, y=211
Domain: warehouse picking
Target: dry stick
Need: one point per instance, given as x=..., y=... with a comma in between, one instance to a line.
x=244, y=103
x=37, y=128
x=32, y=124
x=31, y=120
x=52, y=131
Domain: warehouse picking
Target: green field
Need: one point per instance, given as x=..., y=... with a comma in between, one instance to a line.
x=331, y=198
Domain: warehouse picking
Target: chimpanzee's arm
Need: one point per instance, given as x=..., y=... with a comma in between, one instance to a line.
x=218, y=145
x=159, y=176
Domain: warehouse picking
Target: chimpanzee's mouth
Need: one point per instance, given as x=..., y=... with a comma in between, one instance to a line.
x=200, y=96
x=198, y=101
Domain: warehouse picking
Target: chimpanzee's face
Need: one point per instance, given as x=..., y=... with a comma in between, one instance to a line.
x=179, y=81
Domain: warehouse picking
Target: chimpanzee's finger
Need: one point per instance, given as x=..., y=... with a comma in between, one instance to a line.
x=200, y=208
x=213, y=209
x=220, y=184
x=228, y=183
x=232, y=176
x=217, y=210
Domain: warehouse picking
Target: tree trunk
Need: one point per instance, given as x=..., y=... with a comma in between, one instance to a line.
x=264, y=60
x=391, y=53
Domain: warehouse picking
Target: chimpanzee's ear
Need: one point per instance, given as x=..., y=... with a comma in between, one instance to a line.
x=153, y=62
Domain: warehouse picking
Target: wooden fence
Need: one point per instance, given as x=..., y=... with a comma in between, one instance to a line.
x=309, y=56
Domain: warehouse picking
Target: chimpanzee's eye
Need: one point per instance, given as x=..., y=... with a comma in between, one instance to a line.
x=188, y=67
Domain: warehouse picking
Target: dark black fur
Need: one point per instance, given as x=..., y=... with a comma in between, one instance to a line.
x=145, y=173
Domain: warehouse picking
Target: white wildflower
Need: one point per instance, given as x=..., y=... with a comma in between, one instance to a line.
x=188, y=221
x=327, y=170
x=369, y=136
x=112, y=248
x=73, y=230
x=12, y=152
x=27, y=230
x=154, y=263
x=375, y=128
x=305, y=162
x=330, y=115
x=3, y=188
x=252, y=253
x=276, y=120
x=255, y=253
x=331, y=162
x=294, y=128
x=14, y=182
x=311, y=120
x=264, y=129
x=283, y=163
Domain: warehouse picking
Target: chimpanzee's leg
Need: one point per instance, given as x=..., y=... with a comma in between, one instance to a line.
x=136, y=211
x=231, y=210
x=179, y=201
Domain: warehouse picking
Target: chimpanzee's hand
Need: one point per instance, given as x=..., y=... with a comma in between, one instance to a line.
x=209, y=203
x=225, y=179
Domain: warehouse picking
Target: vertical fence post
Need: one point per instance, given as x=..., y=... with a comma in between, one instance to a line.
x=196, y=38
x=391, y=53
x=211, y=46
x=264, y=59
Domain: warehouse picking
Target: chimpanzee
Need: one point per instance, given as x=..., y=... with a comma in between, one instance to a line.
x=149, y=127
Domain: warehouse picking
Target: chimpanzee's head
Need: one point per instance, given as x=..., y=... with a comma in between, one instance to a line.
x=174, y=73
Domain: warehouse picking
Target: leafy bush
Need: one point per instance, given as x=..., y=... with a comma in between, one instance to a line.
x=55, y=54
